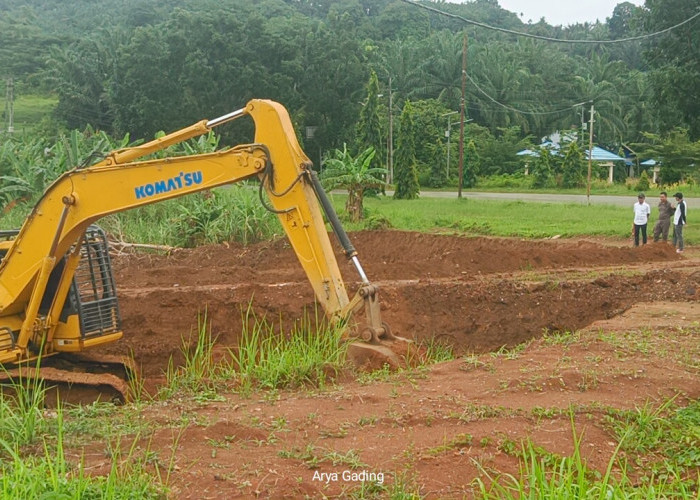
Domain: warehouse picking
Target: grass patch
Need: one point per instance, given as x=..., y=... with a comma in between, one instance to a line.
x=266, y=357
x=519, y=183
x=661, y=438
x=232, y=213
x=501, y=218
x=30, y=110
x=33, y=463
x=311, y=353
x=546, y=475
x=235, y=214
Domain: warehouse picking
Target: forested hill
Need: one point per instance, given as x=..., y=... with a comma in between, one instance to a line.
x=140, y=66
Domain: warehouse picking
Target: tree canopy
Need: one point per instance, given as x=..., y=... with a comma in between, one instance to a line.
x=141, y=66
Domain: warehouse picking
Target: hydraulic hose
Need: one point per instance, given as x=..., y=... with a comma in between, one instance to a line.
x=338, y=229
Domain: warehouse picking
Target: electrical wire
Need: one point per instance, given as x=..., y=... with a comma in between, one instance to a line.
x=547, y=38
x=510, y=108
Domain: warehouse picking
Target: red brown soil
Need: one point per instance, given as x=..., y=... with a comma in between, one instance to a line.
x=478, y=295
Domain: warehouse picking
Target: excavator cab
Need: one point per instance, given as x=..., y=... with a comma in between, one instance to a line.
x=92, y=298
x=91, y=309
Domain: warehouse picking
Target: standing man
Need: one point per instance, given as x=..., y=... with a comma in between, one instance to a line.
x=642, y=210
x=664, y=223
x=678, y=222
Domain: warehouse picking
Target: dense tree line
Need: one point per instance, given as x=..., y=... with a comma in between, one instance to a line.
x=141, y=66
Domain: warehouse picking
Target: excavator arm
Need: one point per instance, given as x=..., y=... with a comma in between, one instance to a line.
x=55, y=231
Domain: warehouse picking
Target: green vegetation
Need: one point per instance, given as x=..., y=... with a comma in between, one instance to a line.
x=354, y=174
x=544, y=475
x=31, y=112
x=236, y=214
x=97, y=72
x=502, y=218
x=311, y=353
x=267, y=357
x=90, y=85
x=662, y=438
x=224, y=214
x=33, y=461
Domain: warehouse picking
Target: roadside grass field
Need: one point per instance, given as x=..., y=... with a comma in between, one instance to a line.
x=508, y=219
x=30, y=110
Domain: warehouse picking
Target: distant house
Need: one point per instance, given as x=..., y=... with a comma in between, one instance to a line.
x=598, y=155
x=606, y=158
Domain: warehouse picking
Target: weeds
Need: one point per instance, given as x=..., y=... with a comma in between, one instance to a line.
x=565, y=338
x=311, y=353
x=21, y=409
x=48, y=473
x=459, y=441
x=671, y=435
x=199, y=374
x=545, y=475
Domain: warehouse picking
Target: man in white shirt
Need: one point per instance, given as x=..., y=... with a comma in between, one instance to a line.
x=642, y=210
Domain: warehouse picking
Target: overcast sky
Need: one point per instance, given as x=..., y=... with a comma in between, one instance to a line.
x=563, y=12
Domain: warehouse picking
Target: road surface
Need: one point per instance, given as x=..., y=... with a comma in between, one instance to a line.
x=598, y=199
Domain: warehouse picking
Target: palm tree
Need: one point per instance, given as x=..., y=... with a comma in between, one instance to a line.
x=355, y=174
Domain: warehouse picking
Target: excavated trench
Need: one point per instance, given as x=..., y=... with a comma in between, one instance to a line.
x=477, y=294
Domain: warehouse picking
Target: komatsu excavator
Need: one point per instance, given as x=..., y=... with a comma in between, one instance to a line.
x=57, y=290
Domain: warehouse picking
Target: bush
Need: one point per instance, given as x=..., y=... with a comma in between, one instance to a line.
x=643, y=184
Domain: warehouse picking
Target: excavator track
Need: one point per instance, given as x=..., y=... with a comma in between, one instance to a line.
x=75, y=379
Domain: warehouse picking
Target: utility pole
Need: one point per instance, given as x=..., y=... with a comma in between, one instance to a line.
x=461, y=114
x=390, y=139
x=9, y=105
x=590, y=156
x=448, y=134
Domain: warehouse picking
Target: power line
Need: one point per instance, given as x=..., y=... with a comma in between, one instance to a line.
x=546, y=38
x=510, y=108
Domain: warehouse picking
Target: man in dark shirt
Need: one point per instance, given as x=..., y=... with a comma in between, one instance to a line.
x=664, y=223
x=679, y=220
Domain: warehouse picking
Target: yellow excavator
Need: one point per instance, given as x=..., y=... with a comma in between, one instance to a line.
x=57, y=290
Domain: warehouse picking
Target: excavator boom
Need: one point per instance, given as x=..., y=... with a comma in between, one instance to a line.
x=39, y=305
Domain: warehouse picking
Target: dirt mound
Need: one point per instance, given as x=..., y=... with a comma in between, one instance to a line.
x=634, y=312
x=478, y=294
x=386, y=255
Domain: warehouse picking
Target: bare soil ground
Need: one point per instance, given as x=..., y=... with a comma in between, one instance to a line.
x=635, y=312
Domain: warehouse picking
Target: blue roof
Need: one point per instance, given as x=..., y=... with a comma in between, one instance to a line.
x=527, y=152
x=600, y=154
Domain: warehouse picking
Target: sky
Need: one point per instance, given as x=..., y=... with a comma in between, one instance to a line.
x=563, y=12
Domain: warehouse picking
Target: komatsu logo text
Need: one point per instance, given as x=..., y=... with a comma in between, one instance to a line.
x=185, y=179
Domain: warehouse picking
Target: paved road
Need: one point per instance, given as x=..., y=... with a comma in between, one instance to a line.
x=652, y=197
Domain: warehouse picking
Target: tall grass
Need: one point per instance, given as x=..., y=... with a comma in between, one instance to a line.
x=546, y=476
x=46, y=473
x=21, y=404
x=231, y=213
x=200, y=373
x=309, y=354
